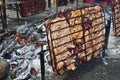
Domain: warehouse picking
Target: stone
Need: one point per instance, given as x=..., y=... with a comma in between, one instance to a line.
x=4, y=68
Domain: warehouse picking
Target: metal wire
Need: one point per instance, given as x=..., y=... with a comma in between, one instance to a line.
x=81, y=44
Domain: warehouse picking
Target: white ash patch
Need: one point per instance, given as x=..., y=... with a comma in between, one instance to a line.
x=23, y=57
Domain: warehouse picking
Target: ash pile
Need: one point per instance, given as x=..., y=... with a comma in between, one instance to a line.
x=20, y=50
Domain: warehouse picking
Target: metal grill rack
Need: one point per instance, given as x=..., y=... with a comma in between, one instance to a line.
x=87, y=45
x=116, y=16
x=75, y=36
x=31, y=7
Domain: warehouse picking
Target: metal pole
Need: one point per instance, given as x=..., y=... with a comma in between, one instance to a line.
x=17, y=11
x=107, y=23
x=3, y=11
x=42, y=64
x=57, y=1
x=107, y=33
x=49, y=4
x=77, y=3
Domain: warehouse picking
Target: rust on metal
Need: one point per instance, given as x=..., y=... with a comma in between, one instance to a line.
x=3, y=11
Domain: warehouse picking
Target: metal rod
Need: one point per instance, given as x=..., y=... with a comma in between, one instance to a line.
x=17, y=12
x=42, y=64
x=49, y=4
x=107, y=23
x=107, y=33
x=3, y=11
x=77, y=4
x=57, y=2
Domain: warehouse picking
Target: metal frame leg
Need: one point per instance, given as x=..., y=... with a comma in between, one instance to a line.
x=107, y=33
x=49, y=4
x=57, y=1
x=42, y=64
x=3, y=12
x=17, y=12
x=77, y=4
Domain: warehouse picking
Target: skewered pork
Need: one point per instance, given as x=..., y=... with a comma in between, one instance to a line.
x=75, y=26
x=75, y=37
x=61, y=37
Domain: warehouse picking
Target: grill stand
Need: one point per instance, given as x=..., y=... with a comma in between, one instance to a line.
x=3, y=14
x=49, y=4
x=107, y=33
x=42, y=63
x=17, y=12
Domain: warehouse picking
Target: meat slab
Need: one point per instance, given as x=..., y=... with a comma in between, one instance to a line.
x=75, y=37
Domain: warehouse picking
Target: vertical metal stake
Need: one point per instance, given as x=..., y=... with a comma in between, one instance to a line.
x=3, y=11
x=42, y=64
x=77, y=3
x=17, y=11
x=57, y=1
x=49, y=4
x=107, y=33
